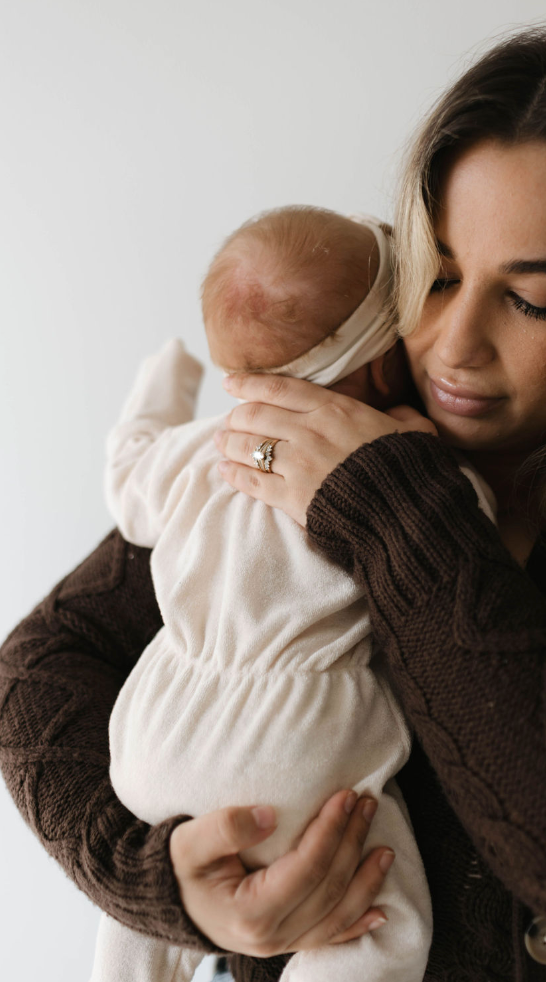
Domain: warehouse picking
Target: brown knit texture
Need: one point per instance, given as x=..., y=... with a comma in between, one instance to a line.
x=464, y=632
x=60, y=673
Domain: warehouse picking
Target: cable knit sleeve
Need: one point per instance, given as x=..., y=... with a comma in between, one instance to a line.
x=60, y=672
x=464, y=630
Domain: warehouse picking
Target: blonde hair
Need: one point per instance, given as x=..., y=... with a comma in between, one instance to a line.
x=503, y=97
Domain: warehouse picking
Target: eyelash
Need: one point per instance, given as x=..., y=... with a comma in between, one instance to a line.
x=529, y=309
x=441, y=285
x=526, y=308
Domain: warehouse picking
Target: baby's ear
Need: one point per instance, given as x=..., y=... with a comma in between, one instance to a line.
x=377, y=369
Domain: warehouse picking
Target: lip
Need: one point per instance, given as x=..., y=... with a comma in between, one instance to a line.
x=459, y=400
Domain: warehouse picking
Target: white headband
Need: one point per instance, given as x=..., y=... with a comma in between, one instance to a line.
x=366, y=334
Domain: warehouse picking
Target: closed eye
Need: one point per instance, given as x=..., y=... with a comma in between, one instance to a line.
x=529, y=309
x=442, y=284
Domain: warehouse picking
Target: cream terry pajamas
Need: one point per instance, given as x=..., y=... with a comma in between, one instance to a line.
x=259, y=689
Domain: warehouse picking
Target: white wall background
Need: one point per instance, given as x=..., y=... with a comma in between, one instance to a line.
x=134, y=135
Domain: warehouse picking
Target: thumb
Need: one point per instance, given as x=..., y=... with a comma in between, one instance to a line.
x=412, y=419
x=203, y=841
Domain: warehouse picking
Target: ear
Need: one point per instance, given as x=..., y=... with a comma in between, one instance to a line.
x=377, y=369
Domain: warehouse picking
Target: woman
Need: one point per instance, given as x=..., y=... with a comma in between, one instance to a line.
x=457, y=605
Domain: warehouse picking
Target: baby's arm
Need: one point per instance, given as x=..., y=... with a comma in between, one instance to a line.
x=143, y=456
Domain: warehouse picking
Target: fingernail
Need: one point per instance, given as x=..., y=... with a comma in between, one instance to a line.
x=217, y=436
x=264, y=816
x=386, y=861
x=350, y=801
x=222, y=466
x=227, y=382
x=369, y=809
x=377, y=923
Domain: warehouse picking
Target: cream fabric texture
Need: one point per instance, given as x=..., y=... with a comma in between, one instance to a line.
x=260, y=688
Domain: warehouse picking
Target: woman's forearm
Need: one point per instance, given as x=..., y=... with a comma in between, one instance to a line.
x=60, y=672
x=464, y=630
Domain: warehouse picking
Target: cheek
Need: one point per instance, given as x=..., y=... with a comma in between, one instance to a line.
x=524, y=361
x=416, y=346
x=531, y=385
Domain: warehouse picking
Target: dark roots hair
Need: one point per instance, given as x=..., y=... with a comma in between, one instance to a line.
x=502, y=96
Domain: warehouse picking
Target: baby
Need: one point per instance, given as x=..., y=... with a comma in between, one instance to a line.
x=260, y=688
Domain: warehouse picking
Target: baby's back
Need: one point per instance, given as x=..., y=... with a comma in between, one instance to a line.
x=259, y=686
x=240, y=584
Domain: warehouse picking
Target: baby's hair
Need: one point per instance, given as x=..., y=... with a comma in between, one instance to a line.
x=299, y=272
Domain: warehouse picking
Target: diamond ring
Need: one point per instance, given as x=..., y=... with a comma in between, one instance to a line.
x=263, y=455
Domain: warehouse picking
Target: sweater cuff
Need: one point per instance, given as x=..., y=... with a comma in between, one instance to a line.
x=158, y=859
x=246, y=968
x=155, y=893
x=405, y=496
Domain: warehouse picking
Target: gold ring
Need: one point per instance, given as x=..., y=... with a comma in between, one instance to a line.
x=263, y=455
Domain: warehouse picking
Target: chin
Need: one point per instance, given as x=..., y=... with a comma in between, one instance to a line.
x=473, y=437
x=470, y=434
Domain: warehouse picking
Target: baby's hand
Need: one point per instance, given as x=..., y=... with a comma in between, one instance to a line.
x=319, y=893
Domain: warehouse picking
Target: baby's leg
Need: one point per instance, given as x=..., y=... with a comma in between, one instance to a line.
x=124, y=955
x=397, y=951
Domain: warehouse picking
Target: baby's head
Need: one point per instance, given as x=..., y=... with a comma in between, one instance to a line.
x=284, y=282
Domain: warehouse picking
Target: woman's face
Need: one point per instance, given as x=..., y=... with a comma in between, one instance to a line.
x=478, y=357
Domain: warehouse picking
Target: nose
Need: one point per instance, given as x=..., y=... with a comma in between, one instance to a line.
x=464, y=338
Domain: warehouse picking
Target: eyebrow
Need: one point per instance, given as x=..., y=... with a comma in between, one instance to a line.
x=525, y=266
x=514, y=266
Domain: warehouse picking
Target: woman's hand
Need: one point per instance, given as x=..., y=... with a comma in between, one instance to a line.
x=319, y=893
x=316, y=428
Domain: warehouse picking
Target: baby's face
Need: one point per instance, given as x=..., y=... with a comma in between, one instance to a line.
x=382, y=383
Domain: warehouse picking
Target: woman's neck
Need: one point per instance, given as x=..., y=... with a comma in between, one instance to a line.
x=500, y=470
x=517, y=507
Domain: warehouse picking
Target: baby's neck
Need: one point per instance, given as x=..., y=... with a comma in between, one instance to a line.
x=356, y=385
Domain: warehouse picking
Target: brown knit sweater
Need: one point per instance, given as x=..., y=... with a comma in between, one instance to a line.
x=464, y=629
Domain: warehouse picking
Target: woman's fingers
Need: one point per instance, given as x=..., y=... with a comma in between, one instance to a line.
x=311, y=881
x=301, y=871
x=342, y=866
x=257, y=418
x=354, y=906
x=278, y=390
x=242, y=911
x=239, y=447
x=268, y=487
x=200, y=843
x=370, y=921
x=289, y=484
x=204, y=854
x=310, y=897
